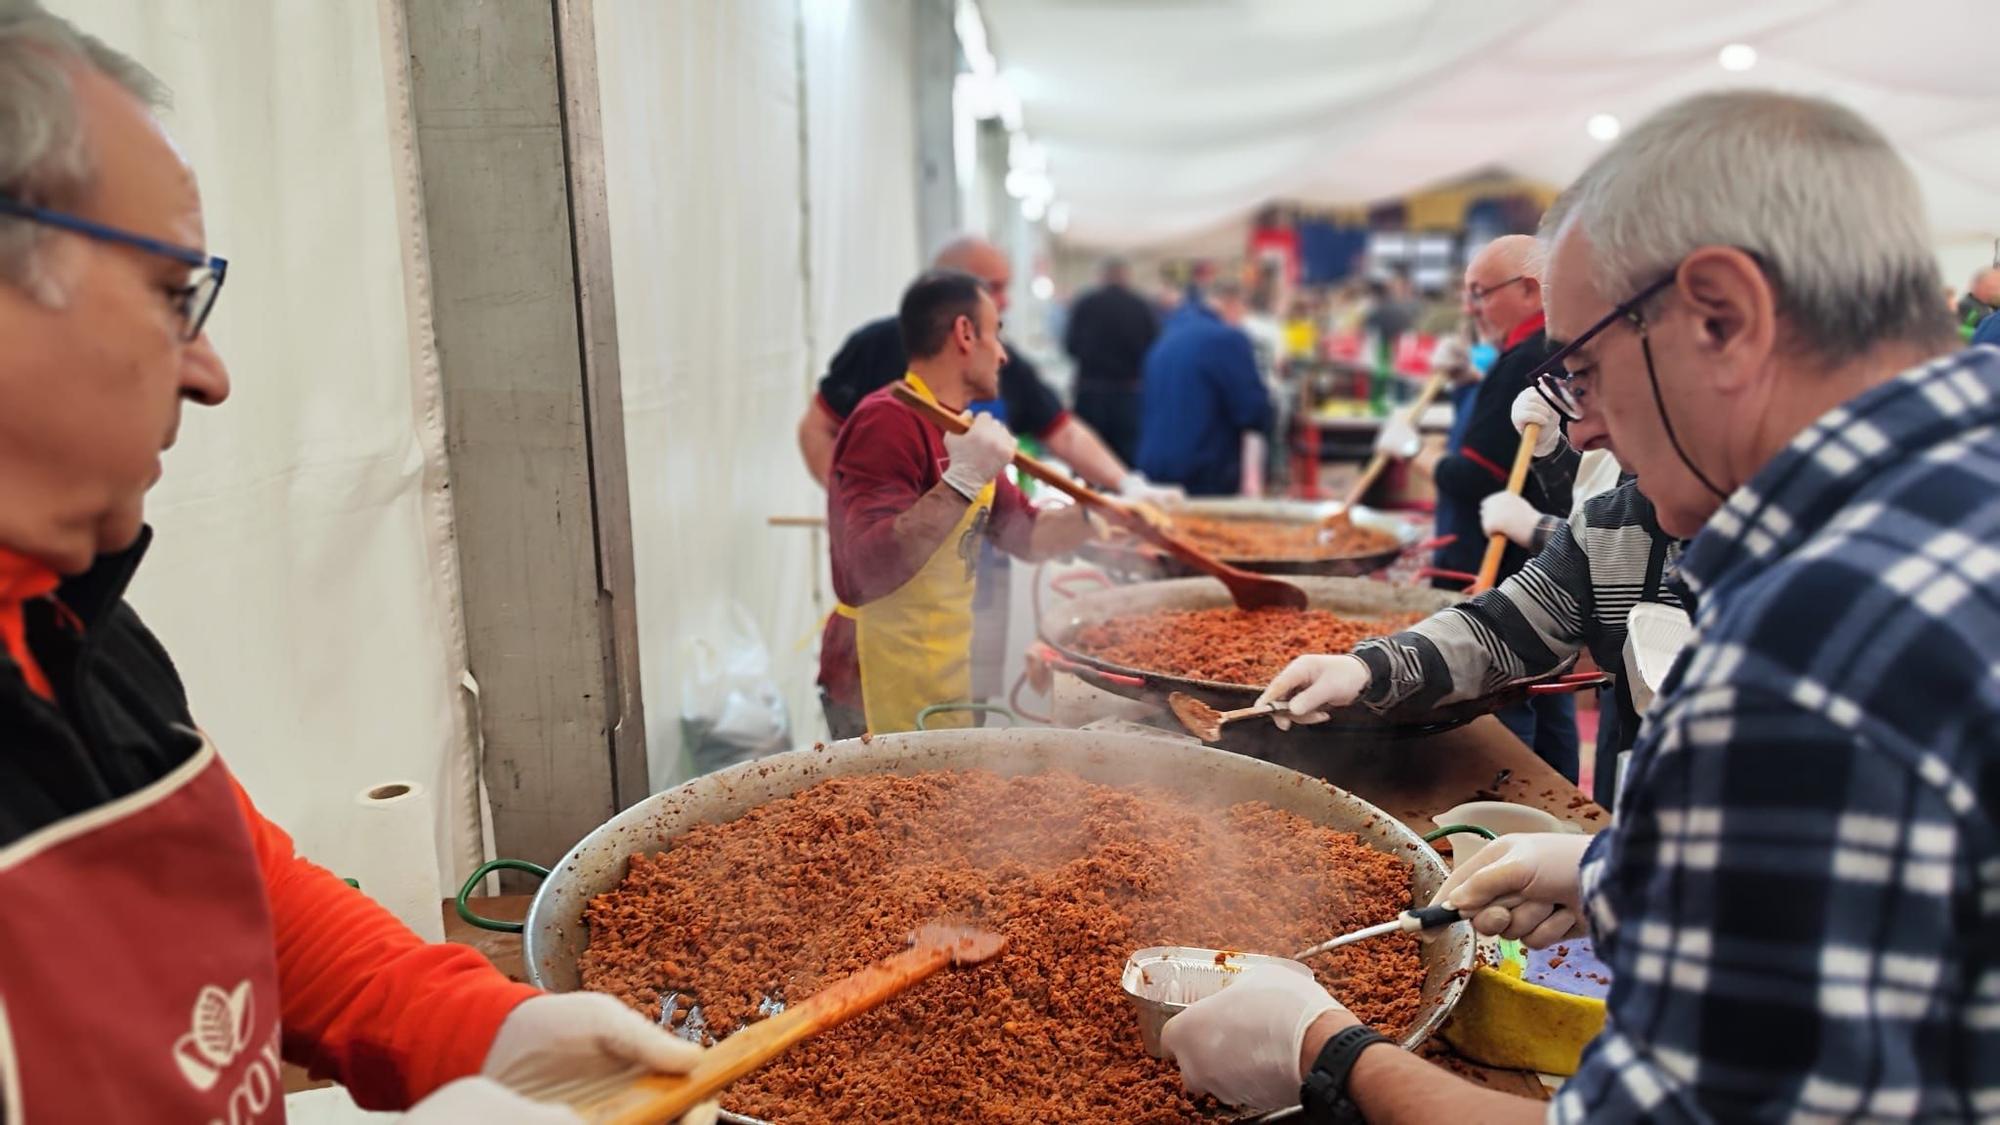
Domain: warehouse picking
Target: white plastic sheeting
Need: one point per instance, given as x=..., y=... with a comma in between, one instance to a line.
x=302, y=574
x=1170, y=117
x=718, y=286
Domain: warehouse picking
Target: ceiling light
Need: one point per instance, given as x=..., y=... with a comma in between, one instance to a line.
x=1042, y=288
x=1602, y=127
x=1737, y=56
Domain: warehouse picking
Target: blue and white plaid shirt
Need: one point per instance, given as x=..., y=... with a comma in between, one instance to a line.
x=1801, y=898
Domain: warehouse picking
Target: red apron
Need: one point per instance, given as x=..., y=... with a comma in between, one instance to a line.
x=138, y=975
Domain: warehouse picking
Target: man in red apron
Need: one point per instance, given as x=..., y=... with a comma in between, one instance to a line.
x=162, y=948
x=907, y=507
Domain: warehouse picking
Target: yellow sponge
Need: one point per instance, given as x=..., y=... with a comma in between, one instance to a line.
x=1504, y=1021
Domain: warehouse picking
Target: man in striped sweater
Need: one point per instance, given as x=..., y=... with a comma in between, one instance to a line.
x=1608, y=557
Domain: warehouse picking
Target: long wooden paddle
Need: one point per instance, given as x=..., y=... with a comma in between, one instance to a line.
x=1489, y=569
x=1382, y=458
x=665, y=1097
x=1247, y=589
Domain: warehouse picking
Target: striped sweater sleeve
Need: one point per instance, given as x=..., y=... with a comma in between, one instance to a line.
x=1525, y=626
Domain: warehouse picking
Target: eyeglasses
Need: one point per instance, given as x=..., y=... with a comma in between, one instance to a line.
x=1476, y=295
x=193, y=301
x=1558, y=388
x=1552, y=379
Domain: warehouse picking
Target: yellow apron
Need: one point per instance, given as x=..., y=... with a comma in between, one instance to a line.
x=915, y=642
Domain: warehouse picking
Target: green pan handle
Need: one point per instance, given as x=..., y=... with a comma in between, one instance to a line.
x=1452, y=829
x=923, y=716
x=465, y=892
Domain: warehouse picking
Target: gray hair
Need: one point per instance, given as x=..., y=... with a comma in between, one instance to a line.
x=1808, y=187
x=44, y=157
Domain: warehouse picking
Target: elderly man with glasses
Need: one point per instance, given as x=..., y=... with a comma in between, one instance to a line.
x=1800, y=896
x=1503, y=297
x=143, y=888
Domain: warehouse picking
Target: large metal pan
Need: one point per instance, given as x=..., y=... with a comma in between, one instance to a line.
x=555, y=934
x=1135, y=561
x=1353, y=597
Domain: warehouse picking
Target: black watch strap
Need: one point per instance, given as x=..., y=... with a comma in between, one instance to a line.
x=1324, y=1092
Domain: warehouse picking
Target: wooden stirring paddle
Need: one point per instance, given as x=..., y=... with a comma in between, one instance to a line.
x=1204, y=721
x=1381, y=460
x=1246, y=589
x=1496, y=548
x=665, y=1097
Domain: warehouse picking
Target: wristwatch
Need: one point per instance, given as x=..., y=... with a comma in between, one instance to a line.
x=1324, y=1093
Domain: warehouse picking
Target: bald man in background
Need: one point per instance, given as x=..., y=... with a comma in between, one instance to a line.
x=1503, y=295
x=1981, y=300
x=873, y=357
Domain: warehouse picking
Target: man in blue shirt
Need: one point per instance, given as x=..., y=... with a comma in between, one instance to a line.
x=1988, y=331
x=1202, y=393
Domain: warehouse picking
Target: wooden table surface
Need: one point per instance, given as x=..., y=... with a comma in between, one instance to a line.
x=1408, y=779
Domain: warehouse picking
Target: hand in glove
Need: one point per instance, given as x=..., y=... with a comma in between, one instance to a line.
x=1312, y=684
x=482, y=1101
x=977, y=455
x=1522, y=886
x=1136, y=489
x=1504, y=513
x=1530, y=406
x=1398, y=438
x=1243, y=1043
x=582, y=1035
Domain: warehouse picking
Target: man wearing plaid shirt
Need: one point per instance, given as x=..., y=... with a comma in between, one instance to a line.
x=1800, y=900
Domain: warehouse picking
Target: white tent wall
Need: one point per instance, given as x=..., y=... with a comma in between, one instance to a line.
x=302, y=575
x=721, y=332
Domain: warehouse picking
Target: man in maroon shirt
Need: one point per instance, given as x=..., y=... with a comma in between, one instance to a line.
x=907, y=507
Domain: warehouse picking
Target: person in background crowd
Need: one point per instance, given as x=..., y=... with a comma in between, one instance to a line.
x=1393, y=307
x=873, y=358
x=1110, y=329
x=1799, y=897
x=1988, y=331
x=1982, y=298
x=908, y=507
x=1202, y=393
x=141, y=882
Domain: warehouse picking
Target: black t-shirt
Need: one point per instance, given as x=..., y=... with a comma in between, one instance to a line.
x=1110, y=329
x=873, y=357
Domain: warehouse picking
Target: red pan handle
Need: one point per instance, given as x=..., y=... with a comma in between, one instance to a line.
x=1574, y=682
x=1054, y=659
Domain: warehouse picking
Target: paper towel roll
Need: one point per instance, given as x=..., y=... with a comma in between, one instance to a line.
x=395, y=854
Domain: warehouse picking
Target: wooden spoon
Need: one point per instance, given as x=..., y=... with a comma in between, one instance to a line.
x=1204, y=721
x=1381, y=460
x=665, y=1097
x=1248, y=590
x=1496, y=548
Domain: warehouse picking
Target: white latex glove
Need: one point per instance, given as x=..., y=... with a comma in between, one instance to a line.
x=1504, y=513
x=1530, y=406
x=1398, y=438
x=1312, y=684
x=1522, y=886
x=977, y=455
x=482, y=1101
x=585, y=1034
x=1137, y=489
x=1449, y=357
x=1242, y=1044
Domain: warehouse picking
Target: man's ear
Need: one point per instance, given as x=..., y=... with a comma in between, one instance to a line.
x=1733, y=312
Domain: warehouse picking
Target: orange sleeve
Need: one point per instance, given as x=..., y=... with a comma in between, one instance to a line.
x=365, y=1001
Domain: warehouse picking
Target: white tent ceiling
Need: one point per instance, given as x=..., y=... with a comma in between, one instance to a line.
x=1165, y=117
